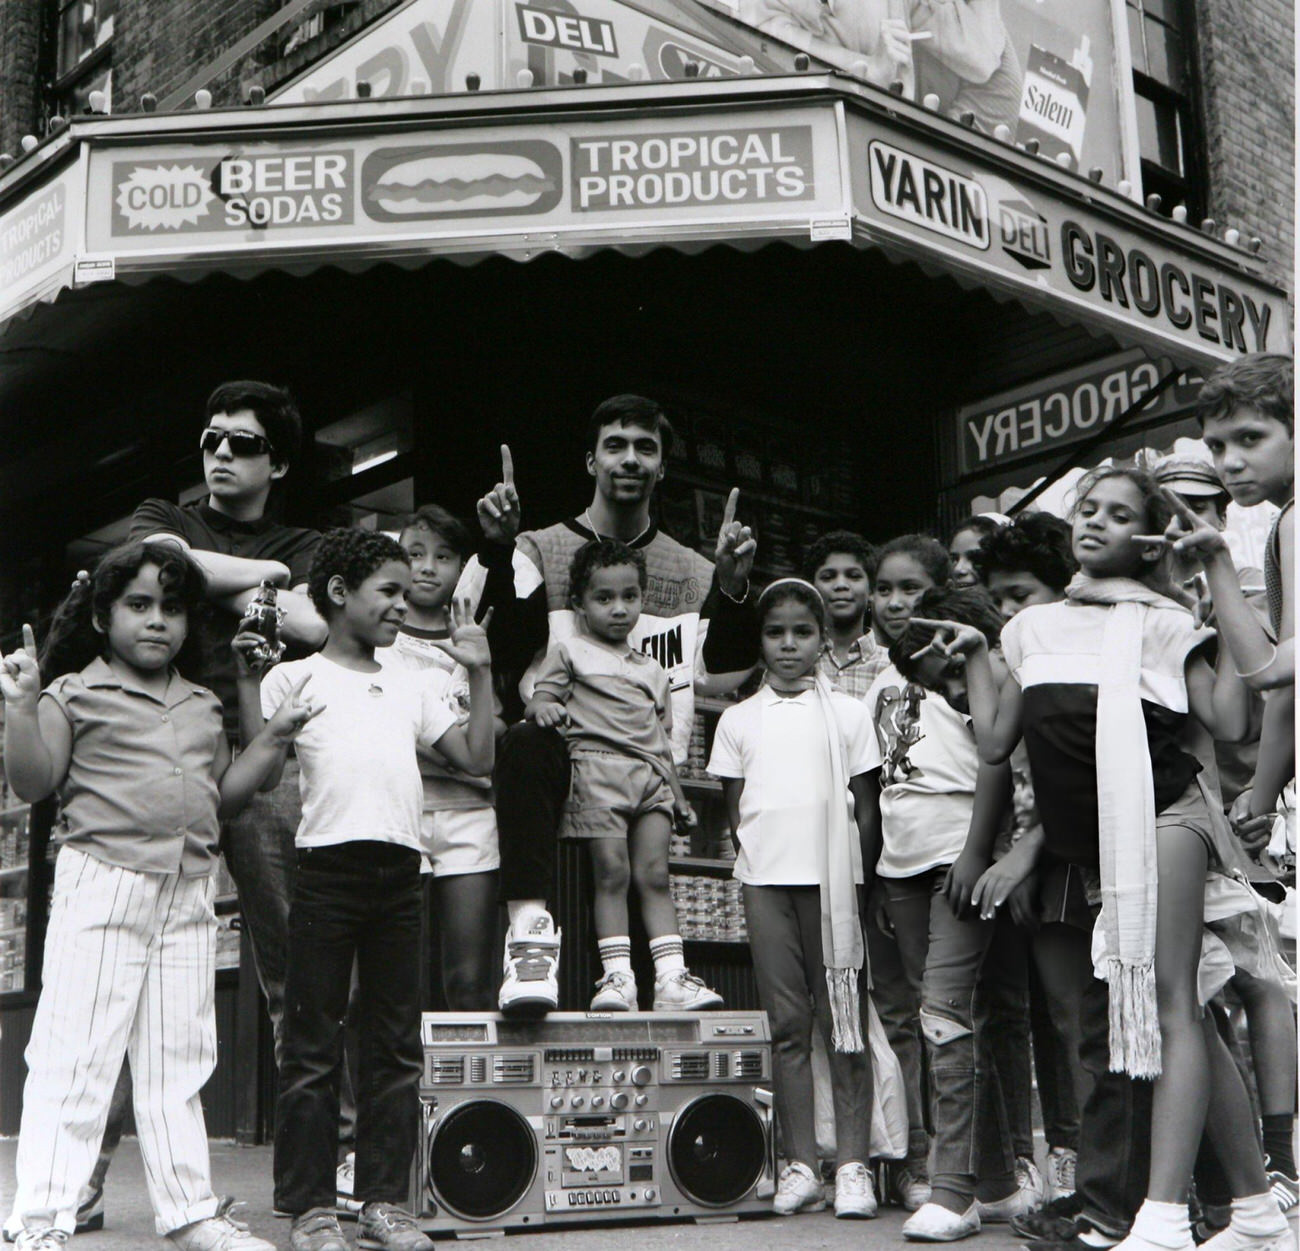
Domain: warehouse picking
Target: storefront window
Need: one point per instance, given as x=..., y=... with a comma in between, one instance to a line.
x=84, y=26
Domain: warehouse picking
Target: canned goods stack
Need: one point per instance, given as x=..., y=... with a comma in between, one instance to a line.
x=13, y=943
x=697, y=754
x=708, y=908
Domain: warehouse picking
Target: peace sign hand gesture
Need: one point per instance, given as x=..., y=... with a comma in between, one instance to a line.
x=734, y=555
x=1190, y=536
x=20, y=676
x=293, y=713
x=468, y=644
x=498, y=511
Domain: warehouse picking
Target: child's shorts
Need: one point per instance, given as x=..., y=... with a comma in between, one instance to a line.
x=608, y=792
x=459, y=840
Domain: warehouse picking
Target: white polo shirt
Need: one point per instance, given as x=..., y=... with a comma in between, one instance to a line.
x=777, y=744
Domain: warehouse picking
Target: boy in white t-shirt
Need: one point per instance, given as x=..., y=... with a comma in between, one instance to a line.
x=357, y=892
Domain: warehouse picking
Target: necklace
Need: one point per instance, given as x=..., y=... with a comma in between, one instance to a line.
x=591, y=525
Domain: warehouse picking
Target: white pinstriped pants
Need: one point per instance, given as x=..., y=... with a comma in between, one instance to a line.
x=130, y=961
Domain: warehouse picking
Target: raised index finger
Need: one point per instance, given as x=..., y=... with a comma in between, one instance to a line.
x=729, y=512
x=1180, y=506
x=29, y=641
x=507, y=466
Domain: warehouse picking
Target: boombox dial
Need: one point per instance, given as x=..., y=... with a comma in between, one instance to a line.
x=641, y=1075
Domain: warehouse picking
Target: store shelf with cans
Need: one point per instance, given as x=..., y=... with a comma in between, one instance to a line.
x=14, y=847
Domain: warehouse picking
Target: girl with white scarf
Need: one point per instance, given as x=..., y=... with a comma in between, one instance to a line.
x=1122, y=655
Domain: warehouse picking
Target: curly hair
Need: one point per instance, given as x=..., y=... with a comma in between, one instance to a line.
x=603, y=554
x=1156, y=510
x=443, y=525
x=352, y=555
x=844, y=542
x=970, y=605
x=1264, y=380
x=929, y=553
x=1037, y=543
x=792, y=590
x=72, y=640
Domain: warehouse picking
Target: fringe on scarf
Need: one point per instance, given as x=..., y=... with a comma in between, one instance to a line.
x=1134, y=1019
x=846, y=1011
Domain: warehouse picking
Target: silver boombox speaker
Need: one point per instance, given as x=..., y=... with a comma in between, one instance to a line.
x=580, y=1117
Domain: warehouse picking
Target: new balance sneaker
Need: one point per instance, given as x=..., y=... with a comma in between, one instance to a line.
x=1002, y=1211
x=932, y=1222
x=1286, y=1190
x=221, y=1232
x=386, y=1227
x=684, y=992
x=345, y=1180
x=855, y=1197
x=615, y=992
x=317, y=1230
x=531, y=984
x=1059, y=1167
x=798, y=1189
x=1030, y=1181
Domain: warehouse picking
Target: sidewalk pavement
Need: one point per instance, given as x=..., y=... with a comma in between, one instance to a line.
x=245, y=1172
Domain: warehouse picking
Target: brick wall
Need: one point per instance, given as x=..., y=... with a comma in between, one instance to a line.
x=19, y=88
x=1247, y=59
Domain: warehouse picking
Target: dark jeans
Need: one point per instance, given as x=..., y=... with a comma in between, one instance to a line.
x=785, y=938
x=355, y=900
x=942, y=957
x=1115, y=1119
x=1004, y=990
x=531, y=780
x=1062, y=1083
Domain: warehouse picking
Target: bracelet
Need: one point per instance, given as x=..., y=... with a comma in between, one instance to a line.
x=1272, y=656
x=744, y=595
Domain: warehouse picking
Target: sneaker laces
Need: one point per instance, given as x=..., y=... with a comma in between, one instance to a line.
x=852, y=1178
x=793, y=1173
x=392, y=1216
x=684, y=978
x=223, y=1213
x=1066, y=1163
x=615, y=977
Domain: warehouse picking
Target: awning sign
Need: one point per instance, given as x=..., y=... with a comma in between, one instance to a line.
x=737, y=166
x=1054, y=412
x=453, y=183
x=925, y=199
x=36, y=240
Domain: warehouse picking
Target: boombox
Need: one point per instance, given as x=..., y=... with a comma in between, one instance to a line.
x=578, y=1117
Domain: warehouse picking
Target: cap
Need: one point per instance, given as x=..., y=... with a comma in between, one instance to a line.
x=1189, y=475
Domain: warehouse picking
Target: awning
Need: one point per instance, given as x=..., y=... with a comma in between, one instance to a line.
x=740, y=161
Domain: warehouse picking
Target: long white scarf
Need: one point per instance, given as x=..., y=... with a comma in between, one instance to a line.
x=1126, y=821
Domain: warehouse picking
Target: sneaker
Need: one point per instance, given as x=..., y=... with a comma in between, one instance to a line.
x=1030, y=1181
x=317, y=1230
x=41, y=1238
x=798, y=1189
x=1057, y=1221
x=1286, y=1190
x=219, y=1233
x=615, y=992
x=854, y=1195
x=90, y=1215
x=684, y=992
x=531, y=985
x=1002, y=1211
x=932, y=1222
x=345, y=1177
x=1232, y=1239
x=911, y=1190
x=1059, y=1167
x=386, y=1227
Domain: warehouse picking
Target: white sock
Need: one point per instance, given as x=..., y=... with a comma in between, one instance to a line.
x=1258, y=1214
x=1164, y=1224
x=615, y=954
x=523, y=912
x=667, y=953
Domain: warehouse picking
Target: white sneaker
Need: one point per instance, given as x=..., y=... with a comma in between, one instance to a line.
x=221, y=1232
x=41, y=1238
x=344, y=1182
x=684, y=992
x=932, y=1222
x=615, y=992
x=1030, y=1181
x=1060, y=1165
x=1232, y=1239
x=854, y=1194
x=531, y=984
x=1000, y=1211
x=798, y=1189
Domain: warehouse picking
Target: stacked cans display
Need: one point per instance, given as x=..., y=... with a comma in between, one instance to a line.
x=13, y=943
x=708, y=908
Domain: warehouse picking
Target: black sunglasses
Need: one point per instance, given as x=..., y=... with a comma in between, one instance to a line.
x=242, y=442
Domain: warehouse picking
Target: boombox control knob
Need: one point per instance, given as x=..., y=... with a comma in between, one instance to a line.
x=597, y=1101
x=642, y=1100
x=578, y=1101
x=618, y=1077
x=618, y=1100
x=557, y=1101
x=641, y=1075
x=640, y=1125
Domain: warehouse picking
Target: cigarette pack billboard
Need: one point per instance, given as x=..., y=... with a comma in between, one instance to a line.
x=1046, y=69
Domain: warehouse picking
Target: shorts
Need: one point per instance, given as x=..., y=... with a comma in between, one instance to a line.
x=459, y=840
x=1068, y=894
x=608, y=792
x=1188, y=812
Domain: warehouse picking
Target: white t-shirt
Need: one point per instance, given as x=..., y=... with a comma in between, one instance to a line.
x=360, y=778
x=777, y=744
x=927, y=776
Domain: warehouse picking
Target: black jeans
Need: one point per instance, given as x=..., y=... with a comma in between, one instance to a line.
x=361, y=900
x=531, y=781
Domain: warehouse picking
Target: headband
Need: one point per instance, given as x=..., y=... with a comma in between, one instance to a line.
x=803, y=582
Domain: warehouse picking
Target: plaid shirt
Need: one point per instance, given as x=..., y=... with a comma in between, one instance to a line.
x=867, y=661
